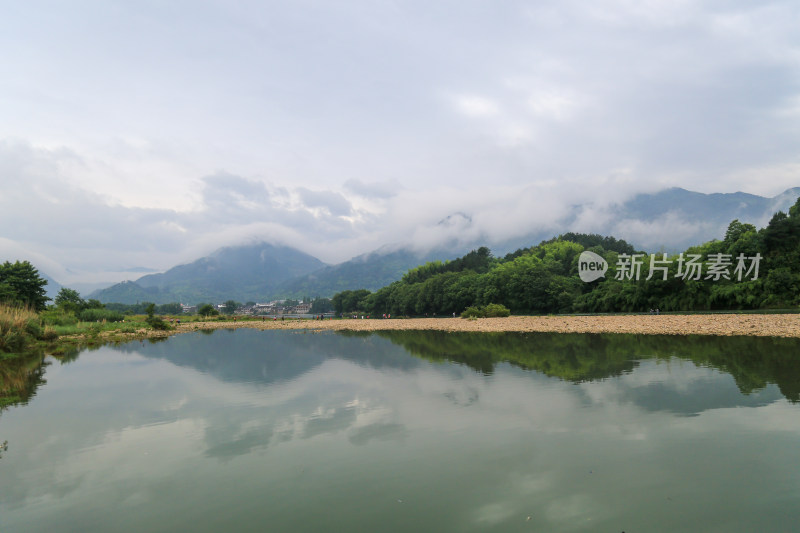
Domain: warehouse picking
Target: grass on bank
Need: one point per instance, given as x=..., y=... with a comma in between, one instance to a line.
x=21, y=328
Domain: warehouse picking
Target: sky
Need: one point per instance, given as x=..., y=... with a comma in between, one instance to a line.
x=140, y=135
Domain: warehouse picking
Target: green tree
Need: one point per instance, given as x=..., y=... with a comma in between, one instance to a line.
x=156, y=322
x=321, y=305
x=230, y=307
x=21, y=284
x=93, y=303
x=69, y=300
x=206, y=310
x=348, y=301
x=173, y=308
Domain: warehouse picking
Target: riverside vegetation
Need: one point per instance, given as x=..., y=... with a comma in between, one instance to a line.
x=544, y=279
x=541, y=279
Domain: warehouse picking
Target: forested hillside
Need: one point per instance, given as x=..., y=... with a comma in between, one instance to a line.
x=748, y=269
x=369, y=271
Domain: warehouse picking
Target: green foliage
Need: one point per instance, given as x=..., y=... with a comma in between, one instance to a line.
x=486, y=311
x=370, y=272
x=33, y=327
x=206, y=310
x=350, y=301
x=19, y=328
x=156, y=322
x=173, y=308
x=587, y=241
x=20, y=284
x=49, y=334
x=93, y=330
x=57, y=317
x=321, y=305
x=69, y=300
x=99, y=315
x=94, y=304
x=230, y=307
x=69, y=303
x=476, y=261
x=472, y=312
x=495, y=310
x=544, y=279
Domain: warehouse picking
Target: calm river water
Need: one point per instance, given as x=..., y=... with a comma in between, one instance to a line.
x=407, y=431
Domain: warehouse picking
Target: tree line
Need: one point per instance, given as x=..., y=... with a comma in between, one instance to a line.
x=540, y=279
x=749, y=268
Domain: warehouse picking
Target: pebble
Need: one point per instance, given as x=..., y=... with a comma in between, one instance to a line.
x=769, y=325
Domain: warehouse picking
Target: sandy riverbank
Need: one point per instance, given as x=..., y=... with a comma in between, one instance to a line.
x=784, y=325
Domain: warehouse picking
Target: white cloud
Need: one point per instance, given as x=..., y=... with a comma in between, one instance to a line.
x=669, y=227
x=344, y=128
x=385, y=189
x=476, y=106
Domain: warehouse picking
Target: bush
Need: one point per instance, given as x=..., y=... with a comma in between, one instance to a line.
x=206, y=310
x=156, y=322
x=49, y=334
x=12, y=341
x=94, y=330
x=472, y=312
x=18, y=326
x=488, y=311
x=54, y=317
x=496, y=310
x=98, y=315
x=34, y=328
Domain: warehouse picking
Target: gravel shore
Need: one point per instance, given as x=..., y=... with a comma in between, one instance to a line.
x=768, y=325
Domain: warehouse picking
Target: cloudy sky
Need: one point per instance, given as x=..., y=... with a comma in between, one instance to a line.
x=145, y=134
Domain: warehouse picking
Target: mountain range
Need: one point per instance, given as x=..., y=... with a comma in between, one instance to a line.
x=249, y=272
x=669, y=220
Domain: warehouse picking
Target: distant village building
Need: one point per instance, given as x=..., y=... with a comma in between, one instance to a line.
x=302, y=308
x=262, y=309
x=278, y=307
x=275, y=307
